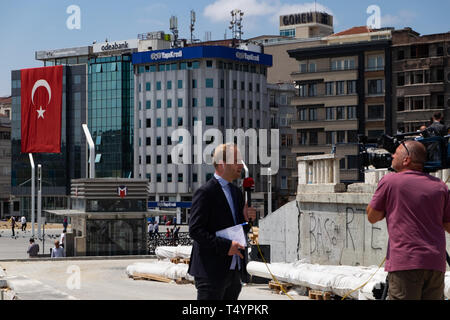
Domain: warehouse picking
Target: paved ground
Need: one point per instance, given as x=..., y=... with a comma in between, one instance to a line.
x=106, y=279
x=16, y=248
x=99, y=279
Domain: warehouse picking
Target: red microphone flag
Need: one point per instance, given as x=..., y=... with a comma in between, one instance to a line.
x=41, y=103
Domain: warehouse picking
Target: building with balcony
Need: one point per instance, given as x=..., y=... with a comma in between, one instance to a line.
x=421, y=78
x=343, y=90
x=282, y=114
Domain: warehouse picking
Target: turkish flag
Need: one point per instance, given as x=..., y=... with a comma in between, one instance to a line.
x=41, y=102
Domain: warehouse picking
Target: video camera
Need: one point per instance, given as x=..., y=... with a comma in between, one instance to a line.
x=372, y=152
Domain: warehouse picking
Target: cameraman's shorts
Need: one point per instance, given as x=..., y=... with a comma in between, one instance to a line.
x=416, y=285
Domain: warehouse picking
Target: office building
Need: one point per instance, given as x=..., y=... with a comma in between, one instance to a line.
x=421, y=78
x=343, y=89
x=219, y=87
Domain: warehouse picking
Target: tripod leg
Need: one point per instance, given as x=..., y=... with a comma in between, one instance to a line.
x=448, y=258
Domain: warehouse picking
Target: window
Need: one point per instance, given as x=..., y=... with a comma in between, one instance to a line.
x=312, y=67
x=351, y=87
x=234, y=85
x=302, y=114
x=287, y=33
x=351, y=112
x=349, y=64
x=169, y=177
x=209, y=63
x=312, y=92
x=180, y=102
x=302, y=138
x=148, y=104
x=148, y=86
x=180, y=177
x=149, y=123
x=194, y=102
x=312, y=114
x=336, y=65
x=242, y=85
x=329, y=88
x=330, y=136
x=158, y=122
x=169, y=85
x=158, y=85
x=209, y=83
x=376, y=86
x=302, y=90
x=401, y=79
x=209, y=101
x=352, y=136
x=169, y=122
x=401, y=54
x=180, y=121
x=340, y=113
x=158, y=104
x=158, y=177
x=169, y=103
x=303, y=67
x=375, y=134
x=148, y=141
x=375, y=63
x=340, y=137
x=148, y=159
x=340, y=90
x=180, y=84
x=209, y=121
x=330, y=113
x=352, y=162
x=194, y=83
x=158, y=159
x=194, y=177
x=313, y=139
x=375, y=112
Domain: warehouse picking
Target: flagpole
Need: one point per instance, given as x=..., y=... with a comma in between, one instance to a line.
x=33, y=174
x=39, y=200
x=91, y=151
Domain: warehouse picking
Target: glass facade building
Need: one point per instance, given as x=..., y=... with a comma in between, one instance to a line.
x=57, y=169
x=111, y=108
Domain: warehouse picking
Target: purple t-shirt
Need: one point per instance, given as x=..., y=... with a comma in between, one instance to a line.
x=415, y=205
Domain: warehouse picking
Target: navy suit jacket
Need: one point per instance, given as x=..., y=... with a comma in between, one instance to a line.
x=211, y=212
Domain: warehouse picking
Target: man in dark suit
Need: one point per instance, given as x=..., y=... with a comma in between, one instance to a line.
x=216, y=263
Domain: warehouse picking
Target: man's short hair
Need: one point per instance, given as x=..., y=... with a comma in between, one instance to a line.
x=224, y=153
x=31, y=240
x=437, y=116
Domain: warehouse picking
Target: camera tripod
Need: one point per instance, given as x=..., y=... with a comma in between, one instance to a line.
x=386, y=287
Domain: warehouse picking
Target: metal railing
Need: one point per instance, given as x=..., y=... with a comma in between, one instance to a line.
x=160, y=239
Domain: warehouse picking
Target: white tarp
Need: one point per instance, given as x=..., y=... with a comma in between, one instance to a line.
x=167, y=252
x=160, y=268
x=337, y=279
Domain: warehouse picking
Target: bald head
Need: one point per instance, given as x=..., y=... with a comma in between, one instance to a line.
x=410, y=155
x=417, y=152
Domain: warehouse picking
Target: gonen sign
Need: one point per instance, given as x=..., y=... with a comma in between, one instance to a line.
x=307, y=17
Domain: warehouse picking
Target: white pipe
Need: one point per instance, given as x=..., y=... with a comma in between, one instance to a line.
x=269, y=194
x=33, y=174
x=91, y=151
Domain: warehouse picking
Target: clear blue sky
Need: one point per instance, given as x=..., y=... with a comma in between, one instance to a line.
x=27, y=26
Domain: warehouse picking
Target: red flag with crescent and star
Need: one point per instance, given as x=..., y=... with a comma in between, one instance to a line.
x=41, y=103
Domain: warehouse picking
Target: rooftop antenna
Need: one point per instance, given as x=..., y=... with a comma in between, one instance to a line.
x=208, y=36
x=236, y=25
x=192, y=25
x=174, y=29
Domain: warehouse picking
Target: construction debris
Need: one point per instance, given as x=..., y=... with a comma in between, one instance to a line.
x=163, y=271
x=336, y=280
x=167, y=252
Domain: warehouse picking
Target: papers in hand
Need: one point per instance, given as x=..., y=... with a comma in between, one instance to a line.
x=235, y=233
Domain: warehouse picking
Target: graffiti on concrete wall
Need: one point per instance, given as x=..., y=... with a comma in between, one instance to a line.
x=324, y=231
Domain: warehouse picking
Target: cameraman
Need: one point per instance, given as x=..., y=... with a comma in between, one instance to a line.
x=417, y=211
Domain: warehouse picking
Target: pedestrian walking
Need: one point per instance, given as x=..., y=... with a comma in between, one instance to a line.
x=65, y=224
x=23, y=220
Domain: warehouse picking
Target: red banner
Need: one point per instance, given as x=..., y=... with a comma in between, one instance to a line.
x=41, y=102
